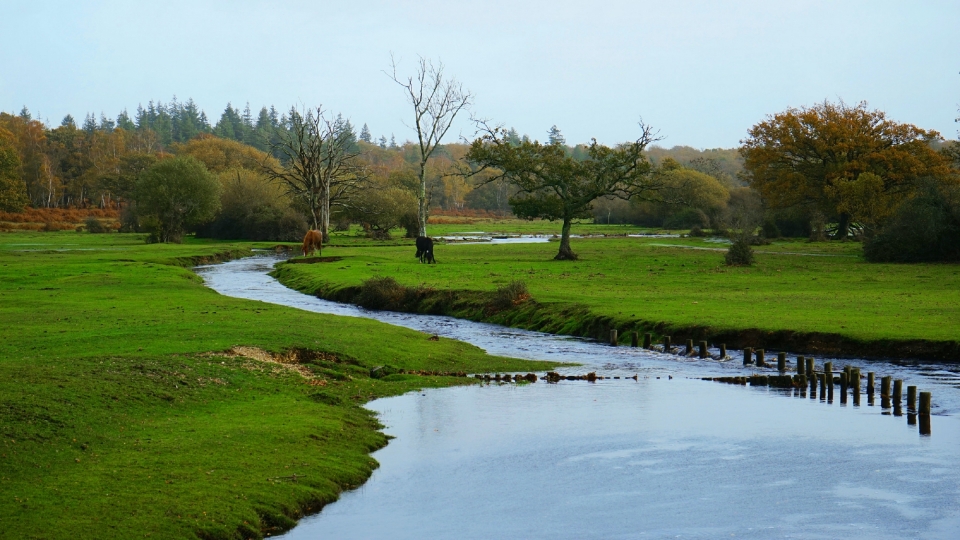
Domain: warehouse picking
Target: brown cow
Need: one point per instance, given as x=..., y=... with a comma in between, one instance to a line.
x=313, y=241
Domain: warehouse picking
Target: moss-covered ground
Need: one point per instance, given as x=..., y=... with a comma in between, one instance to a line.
x=121, y=418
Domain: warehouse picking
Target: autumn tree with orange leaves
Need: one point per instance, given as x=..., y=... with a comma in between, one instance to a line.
x=848, y=162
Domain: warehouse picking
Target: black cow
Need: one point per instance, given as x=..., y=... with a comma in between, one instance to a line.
x=425, y=249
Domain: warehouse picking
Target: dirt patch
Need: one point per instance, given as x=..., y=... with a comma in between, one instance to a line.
x=289, y=361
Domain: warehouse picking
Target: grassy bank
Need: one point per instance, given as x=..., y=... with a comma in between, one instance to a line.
x=818, y=298
x=121, y=416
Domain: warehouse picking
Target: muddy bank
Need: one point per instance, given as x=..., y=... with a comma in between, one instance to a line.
x=513, y=309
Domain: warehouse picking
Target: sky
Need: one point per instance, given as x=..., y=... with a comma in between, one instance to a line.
x=700, y=72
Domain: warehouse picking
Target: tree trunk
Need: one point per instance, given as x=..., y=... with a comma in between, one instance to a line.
x=565, y=254
x=843, y=228
x=422, y=200
x=325, y=215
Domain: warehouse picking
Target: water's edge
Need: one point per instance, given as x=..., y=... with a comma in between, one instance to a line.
x=579, y=321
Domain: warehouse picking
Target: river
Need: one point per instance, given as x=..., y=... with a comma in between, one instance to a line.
x=667, y=455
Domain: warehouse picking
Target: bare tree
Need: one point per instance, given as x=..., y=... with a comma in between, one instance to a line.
x=436, y=101
x=321, y=164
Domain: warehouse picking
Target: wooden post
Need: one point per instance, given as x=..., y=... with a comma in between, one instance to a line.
x=897, y=392
x=647, y=340
x=689, y=351
x=666, y=344
x=813, y=384
x=703, y=349
x=855, y=385
x=747, y=353
x=912, y=398
x=613, y=337
x=823, y=385
x=811, y=367
x=828, y=369
x=871, y=382
x=924, y=403
x=759, y=355
x=781, y=362
x=634, y=339
x=801, y=365
x=843, y=386
x=885, y=386
x=924, y=413
x=723, y=351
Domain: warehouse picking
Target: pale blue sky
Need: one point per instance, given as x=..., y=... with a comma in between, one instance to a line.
x=702, y=72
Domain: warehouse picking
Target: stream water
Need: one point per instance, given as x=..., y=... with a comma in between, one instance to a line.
x=667, y=455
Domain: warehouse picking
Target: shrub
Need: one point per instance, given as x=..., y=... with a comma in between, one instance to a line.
x=740, y=253
x=263, y=223
x=94, y=225
x=411, y=224
x=770, y=229
x=381, y=293
x=687, y=218
x=509, y=295
x=697, y=232
x=924, y=229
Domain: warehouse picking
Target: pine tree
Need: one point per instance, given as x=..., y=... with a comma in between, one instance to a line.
x=106, y=125
x=68, y=121
x=555, y=137
x=393, y=141
x=123, y=121
x=365, y=134
x=90, y=124
x=383, y=142
x=25, y=114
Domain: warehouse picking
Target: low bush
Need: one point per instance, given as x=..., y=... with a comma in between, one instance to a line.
x=509, y=295
x=94, y=225
x=381, y=293
x=770, y=229
x=740, y=253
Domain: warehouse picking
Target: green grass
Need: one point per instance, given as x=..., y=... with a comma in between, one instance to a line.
x=116, y=421
x=682, y=282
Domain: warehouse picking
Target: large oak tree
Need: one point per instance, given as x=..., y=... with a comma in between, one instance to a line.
x=554, y=185
x=848, y=162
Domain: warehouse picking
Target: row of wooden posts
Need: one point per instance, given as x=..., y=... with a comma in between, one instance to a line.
x=850, y=377
x=700, y=350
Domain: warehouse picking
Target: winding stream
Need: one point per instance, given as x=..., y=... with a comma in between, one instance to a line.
x=664, y=456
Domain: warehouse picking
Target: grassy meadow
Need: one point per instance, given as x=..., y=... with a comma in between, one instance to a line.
x=795, y=285
x=121, y=415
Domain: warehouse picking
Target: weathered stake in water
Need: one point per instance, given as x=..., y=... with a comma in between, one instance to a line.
x=925, y=413
x=689, y=348
x=781, y=362
x=647, y=340
x=613, y=337
x=912, y=398
x=666, y=344
x=811, y=367
x=760, y=359
x=723, y=351
x=703, y=349
x=747, y=356
x=801, y=365
x=634, y=339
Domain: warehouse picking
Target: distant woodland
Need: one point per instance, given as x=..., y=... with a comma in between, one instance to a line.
x=828, y=171
x=93, y=163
